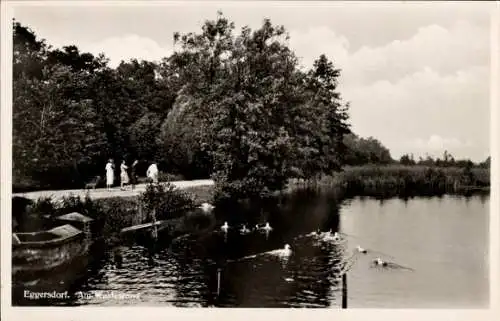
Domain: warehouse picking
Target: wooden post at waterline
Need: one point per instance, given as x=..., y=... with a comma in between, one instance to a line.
x=218, y=281
x=154, y=232
x=344, y=291
x=141, y=214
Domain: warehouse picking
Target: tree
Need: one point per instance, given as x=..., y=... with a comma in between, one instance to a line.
x=29, y=53
x=268, y=120
x=406, y=160
x=234, y=106
x=331, y=113
x=54, y=124
x=53, y=132
x=144, y=136
x=360, y=151
x=486, y=163
x=185, y=141
x=70, y=56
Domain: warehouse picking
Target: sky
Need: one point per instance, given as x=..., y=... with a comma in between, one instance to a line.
x=416, y=75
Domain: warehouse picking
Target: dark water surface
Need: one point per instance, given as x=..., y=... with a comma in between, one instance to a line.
x=444, y=240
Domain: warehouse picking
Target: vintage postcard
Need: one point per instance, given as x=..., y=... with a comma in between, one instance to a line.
x=199, y=156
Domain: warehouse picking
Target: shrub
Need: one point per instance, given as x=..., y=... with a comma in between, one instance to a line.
x=43, y=206
x=166, y=200
x=85, y=206
x=115, y=214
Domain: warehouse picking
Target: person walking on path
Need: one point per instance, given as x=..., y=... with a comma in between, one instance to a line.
x=152, y=173
x=133, y=174
x=110, y=176
x=123, y=175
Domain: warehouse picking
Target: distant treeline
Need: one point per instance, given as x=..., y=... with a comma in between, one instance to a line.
x=363, y=151
x=232, y=106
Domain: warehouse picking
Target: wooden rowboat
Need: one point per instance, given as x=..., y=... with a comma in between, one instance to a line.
x=45, y=250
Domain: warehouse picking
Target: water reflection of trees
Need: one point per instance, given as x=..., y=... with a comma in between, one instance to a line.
x=72, y=277
x=484, y=197
x=185, y=273
x=309, y=278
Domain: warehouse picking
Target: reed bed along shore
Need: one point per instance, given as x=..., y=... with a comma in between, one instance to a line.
x=391, y=180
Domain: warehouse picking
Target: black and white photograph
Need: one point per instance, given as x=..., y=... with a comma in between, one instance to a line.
x=248, y=155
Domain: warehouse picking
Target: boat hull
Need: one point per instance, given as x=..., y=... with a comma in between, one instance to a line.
x=47, y=250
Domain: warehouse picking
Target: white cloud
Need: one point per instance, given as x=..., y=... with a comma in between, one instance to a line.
x=433, y=84
x=127, y=47
x=310, y=44
x=444, y=50
x=426, y=104
x=435, y=145
x=438, y=143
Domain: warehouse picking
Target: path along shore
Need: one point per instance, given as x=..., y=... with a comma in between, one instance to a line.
x=114, y=192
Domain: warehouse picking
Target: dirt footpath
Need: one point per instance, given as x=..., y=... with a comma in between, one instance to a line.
x=114, y=192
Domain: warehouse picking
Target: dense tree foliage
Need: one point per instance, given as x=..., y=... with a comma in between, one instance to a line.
x=54, y=122
x=229, y=104
x=71, y=112
x=259, y=117
x=360, y=151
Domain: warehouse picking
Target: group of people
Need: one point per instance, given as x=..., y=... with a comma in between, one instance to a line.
x=125, y=177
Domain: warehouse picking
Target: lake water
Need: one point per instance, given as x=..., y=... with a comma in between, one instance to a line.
x=439, y=247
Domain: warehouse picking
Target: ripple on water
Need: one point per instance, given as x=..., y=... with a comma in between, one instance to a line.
x=184, y=275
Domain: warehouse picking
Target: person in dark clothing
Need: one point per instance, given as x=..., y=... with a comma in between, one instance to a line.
x=133, y=174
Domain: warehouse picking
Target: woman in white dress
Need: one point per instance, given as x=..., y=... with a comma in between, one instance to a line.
x=152, y=173
x=123, y=175
x=110, y=176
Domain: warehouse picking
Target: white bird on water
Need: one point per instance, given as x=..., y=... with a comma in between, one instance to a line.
x=329, y=237
x=359, y=249
x=378, y=261
x=268, y=227
x=224, y=227
x=207, y=207
x=315, y=233
x=284, y=252
x=244, y=229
